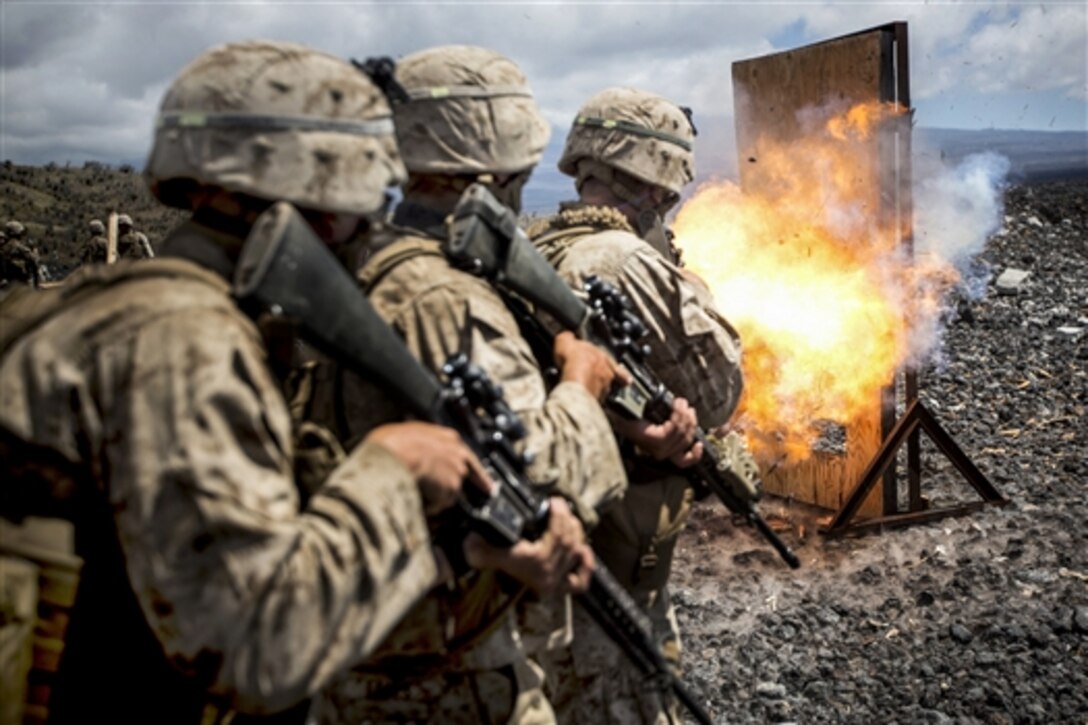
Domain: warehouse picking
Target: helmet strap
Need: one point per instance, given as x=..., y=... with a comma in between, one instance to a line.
x=508, y=192
x=634, y=195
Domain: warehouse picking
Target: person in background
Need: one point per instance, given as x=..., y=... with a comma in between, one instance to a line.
x=95, y=249
x=131, y=244
x=18, y=258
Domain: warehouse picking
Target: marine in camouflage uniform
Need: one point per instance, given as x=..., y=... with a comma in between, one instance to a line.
x=631, y=154
x=97, y=247
x=206, y=587
x=457, y=659
x=18, y=258
x=131, y=244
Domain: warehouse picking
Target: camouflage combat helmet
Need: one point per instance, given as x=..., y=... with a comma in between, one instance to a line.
x=14, y=229
x=633, y=131
x=97, y=227
x=124, y=221
x=275, y=120
x=469, y=111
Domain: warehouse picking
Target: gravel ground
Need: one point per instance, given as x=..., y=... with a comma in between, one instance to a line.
x=977, y=619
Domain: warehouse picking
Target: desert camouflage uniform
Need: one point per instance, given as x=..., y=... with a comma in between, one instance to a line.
x=441, y=311
x=18, y=258
x=131, y=244
x=207, y=588
x=697, y=355
x=458, y=658
x=134, y=245
x=97, y=247
x=158, y=386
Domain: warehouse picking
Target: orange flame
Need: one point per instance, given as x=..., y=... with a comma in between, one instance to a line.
x=813, y=282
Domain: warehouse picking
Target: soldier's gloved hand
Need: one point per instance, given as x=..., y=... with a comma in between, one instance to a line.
x=559, y=561
x=585, y=363
x=436, y=456
x=673, y=440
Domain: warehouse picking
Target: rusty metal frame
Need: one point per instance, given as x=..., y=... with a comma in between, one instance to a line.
x=916, y=419
x=897, y=208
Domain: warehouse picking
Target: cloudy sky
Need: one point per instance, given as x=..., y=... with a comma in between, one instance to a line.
x=81, y=80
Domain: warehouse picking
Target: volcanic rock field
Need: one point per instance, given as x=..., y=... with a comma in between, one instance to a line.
x=977, y=619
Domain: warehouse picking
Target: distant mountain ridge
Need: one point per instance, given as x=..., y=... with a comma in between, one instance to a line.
x=1034, y=156
x=56, y=202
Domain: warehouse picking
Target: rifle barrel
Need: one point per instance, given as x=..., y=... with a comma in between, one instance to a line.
x=609, y=604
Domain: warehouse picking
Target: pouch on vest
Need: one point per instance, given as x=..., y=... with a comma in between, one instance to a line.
x=636, y=537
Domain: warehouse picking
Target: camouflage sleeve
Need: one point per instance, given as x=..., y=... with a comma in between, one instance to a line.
x=569, y=435
x=263, y=600
x=694, y=350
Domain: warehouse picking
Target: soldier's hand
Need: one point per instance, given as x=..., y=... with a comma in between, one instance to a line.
x=559, y=561
x=673, y=440
x=585, y=363
x=436, y=456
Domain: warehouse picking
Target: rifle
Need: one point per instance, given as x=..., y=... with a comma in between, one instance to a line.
x=485, y=240
x=284, y=269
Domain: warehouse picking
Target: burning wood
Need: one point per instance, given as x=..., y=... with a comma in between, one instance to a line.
x=817, y=281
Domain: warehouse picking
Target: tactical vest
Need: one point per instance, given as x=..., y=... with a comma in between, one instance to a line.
x=469, y=610
x=391, y=256
x=316, y=390
x=24, y=309
x=47, y=480
x=554, y=235
x=636, y=538
x=106, y=620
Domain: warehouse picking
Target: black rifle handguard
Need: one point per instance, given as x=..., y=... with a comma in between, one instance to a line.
x=284, y=268
x=484, y=239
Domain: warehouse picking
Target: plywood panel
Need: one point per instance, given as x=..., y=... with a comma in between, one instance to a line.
x=776, y=96
x=779, y=98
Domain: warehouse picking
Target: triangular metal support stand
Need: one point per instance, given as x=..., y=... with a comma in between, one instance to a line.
x=915, y=418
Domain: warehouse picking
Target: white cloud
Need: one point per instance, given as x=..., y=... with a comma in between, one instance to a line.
x=1042, y=49
x=82, y=80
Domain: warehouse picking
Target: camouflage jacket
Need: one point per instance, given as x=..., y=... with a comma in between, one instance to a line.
x=440, y=311
x=19, y=261
x=94, y=250
x=134, y=245
x=158, y=387
x=695, y=352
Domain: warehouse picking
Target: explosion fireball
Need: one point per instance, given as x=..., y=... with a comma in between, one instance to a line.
x=815, y=278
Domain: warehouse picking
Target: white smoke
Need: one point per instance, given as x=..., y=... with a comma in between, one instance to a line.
x=957, y=207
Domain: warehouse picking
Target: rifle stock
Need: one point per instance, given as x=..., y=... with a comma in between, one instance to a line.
x=485, y=240
x=286, y=269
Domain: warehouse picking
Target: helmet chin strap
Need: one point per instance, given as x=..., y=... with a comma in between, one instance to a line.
x=637, y=202
x=508, y=192
x=651, y=228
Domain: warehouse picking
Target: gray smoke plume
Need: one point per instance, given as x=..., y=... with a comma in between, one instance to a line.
x=956, y=209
